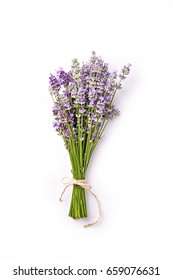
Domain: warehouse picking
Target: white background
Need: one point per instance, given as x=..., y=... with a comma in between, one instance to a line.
x=131, y=170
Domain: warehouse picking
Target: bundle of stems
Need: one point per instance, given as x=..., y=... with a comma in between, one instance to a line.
x=83, y=105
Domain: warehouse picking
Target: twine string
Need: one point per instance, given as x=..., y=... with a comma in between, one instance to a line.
x=82, y=183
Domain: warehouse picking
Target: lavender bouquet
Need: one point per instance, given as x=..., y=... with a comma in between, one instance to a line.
x=83, y=105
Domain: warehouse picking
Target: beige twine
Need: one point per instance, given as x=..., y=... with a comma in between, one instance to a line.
x=82, y=183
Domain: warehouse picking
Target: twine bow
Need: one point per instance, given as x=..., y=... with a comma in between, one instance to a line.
x=82, y=183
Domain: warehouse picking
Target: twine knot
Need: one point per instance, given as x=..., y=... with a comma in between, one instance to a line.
x=82, y=183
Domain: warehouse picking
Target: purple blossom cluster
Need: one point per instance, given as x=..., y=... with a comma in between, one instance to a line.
x=83, y=98
x=61, y=78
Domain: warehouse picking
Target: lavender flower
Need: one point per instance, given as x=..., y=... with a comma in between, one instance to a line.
x=89, y=90
x=83, y=105
x=61, y=78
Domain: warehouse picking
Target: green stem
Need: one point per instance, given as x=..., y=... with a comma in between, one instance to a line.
x=78, y=208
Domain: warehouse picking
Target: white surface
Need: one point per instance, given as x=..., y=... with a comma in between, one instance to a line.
x=131, y=171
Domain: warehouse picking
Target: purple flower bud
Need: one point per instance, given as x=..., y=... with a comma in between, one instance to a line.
x=83, y=98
